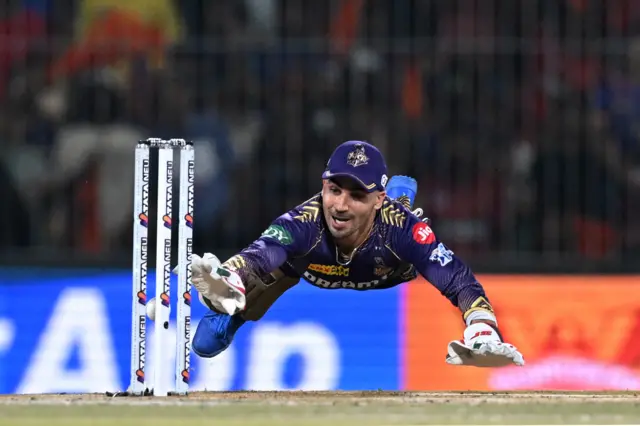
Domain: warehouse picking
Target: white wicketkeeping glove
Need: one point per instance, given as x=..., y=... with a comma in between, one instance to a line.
x=222, y=287
x=482, y=347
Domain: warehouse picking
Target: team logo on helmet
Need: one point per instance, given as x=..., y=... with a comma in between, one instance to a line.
x=357, y=157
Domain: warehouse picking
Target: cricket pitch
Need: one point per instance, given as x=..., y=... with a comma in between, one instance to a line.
x=324, y=408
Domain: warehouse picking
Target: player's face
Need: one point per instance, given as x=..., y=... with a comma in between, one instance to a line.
x=348, y=209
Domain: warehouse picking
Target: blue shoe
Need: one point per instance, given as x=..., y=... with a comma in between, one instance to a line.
x=215, y=333
x=403, y=189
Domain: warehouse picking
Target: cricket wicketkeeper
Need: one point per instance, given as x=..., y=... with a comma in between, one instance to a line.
x=358, y=233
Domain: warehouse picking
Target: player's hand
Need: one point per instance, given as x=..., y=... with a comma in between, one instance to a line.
x=482, y=347
x=221, y=287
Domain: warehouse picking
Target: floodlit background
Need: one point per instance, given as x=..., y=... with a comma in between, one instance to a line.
x=518, y=118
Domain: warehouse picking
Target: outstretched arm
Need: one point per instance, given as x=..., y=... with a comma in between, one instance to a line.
x=239, y=281
x=417, y=244
x=483, y=345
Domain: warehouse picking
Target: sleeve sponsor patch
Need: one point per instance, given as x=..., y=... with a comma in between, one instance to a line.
x=278, y=233
x=422, y=233
x=441, y=255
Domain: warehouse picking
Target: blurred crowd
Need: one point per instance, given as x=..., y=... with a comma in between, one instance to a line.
x=519, y=118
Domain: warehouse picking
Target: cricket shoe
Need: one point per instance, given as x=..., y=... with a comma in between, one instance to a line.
x=404, y=189
x=215, y=333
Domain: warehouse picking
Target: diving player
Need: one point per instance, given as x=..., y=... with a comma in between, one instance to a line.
x=358, y=233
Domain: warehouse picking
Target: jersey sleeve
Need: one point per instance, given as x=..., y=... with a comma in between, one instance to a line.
x=416, y=243
x=291, y=235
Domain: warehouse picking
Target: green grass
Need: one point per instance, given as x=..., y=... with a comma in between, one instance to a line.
x=333, y=413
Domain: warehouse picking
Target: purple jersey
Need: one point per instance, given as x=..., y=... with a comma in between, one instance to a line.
x=400, y=246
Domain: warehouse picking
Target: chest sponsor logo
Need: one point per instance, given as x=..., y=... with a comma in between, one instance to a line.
x=329, y=269
x=320, y=282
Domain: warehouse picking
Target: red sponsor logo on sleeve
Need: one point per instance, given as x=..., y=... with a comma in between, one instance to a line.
x=422, y=234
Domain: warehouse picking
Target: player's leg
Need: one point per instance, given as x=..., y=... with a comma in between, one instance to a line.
x=402, y=188
x=214, y=333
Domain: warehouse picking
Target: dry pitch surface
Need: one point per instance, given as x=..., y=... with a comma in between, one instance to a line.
x=323, y=408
